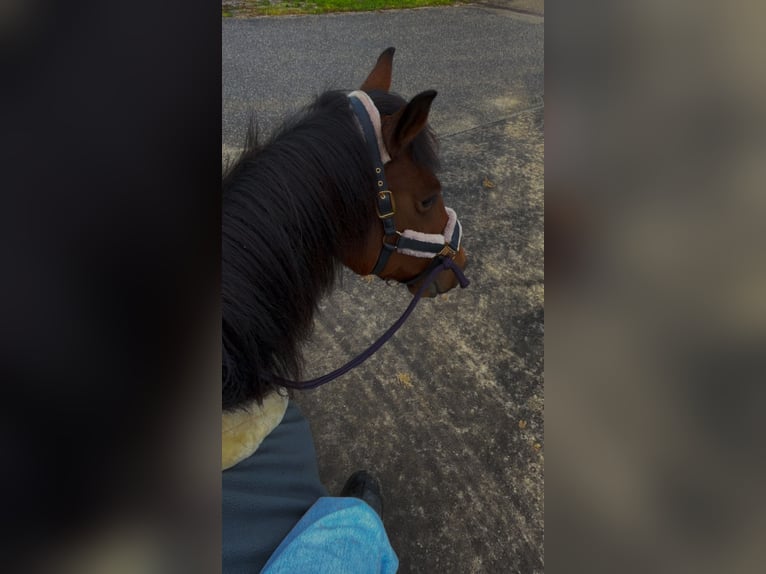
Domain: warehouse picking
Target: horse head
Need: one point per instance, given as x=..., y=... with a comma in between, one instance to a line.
x=413, y=219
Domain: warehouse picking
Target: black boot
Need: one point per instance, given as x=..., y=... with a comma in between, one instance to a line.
x=363, y=485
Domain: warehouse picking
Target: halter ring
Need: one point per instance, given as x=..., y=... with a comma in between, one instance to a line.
x=447, y=251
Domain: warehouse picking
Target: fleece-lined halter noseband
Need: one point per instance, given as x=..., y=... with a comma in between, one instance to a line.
x=442, y=248
x=407, y=242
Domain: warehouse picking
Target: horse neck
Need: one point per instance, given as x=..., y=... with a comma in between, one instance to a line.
x=294, y=208
x=318, y=187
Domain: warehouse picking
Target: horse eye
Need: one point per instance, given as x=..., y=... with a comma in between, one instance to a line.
x=426, y=203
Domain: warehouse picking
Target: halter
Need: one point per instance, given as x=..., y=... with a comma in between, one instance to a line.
x=407, y=242
x=442, y=248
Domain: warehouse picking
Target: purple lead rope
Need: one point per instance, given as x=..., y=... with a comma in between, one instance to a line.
x=355, y=362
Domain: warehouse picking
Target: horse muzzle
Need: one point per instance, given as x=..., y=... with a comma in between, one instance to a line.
x=445, y=280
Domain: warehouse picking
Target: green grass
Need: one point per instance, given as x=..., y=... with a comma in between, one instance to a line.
x=247, y=8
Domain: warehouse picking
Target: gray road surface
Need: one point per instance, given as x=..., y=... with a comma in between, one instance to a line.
x=485, y=63
x=450, y=412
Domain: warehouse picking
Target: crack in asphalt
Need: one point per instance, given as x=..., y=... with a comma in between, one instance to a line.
x=537, y=106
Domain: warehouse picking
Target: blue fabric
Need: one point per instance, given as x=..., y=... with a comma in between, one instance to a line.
x=265, y=495
x=336, y=536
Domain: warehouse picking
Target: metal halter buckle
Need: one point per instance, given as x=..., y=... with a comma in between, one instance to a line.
x=382, y=196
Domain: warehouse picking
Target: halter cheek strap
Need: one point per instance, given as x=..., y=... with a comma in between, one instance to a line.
x=407, y=242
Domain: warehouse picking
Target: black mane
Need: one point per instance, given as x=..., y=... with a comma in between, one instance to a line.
x=291, y=209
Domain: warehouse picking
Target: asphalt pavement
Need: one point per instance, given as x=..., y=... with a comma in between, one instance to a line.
x=449, y=413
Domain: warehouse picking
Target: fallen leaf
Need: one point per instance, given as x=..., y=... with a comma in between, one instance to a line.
x=537, y=446
x=522, y=424
x=368, y=278
x=404, y=378
x=489, y=184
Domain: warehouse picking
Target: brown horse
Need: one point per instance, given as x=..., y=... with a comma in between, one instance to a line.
x=419, y=202
x=350, y=180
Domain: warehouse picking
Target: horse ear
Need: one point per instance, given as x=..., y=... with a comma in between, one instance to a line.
x=380, y=77
x=402, y=127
